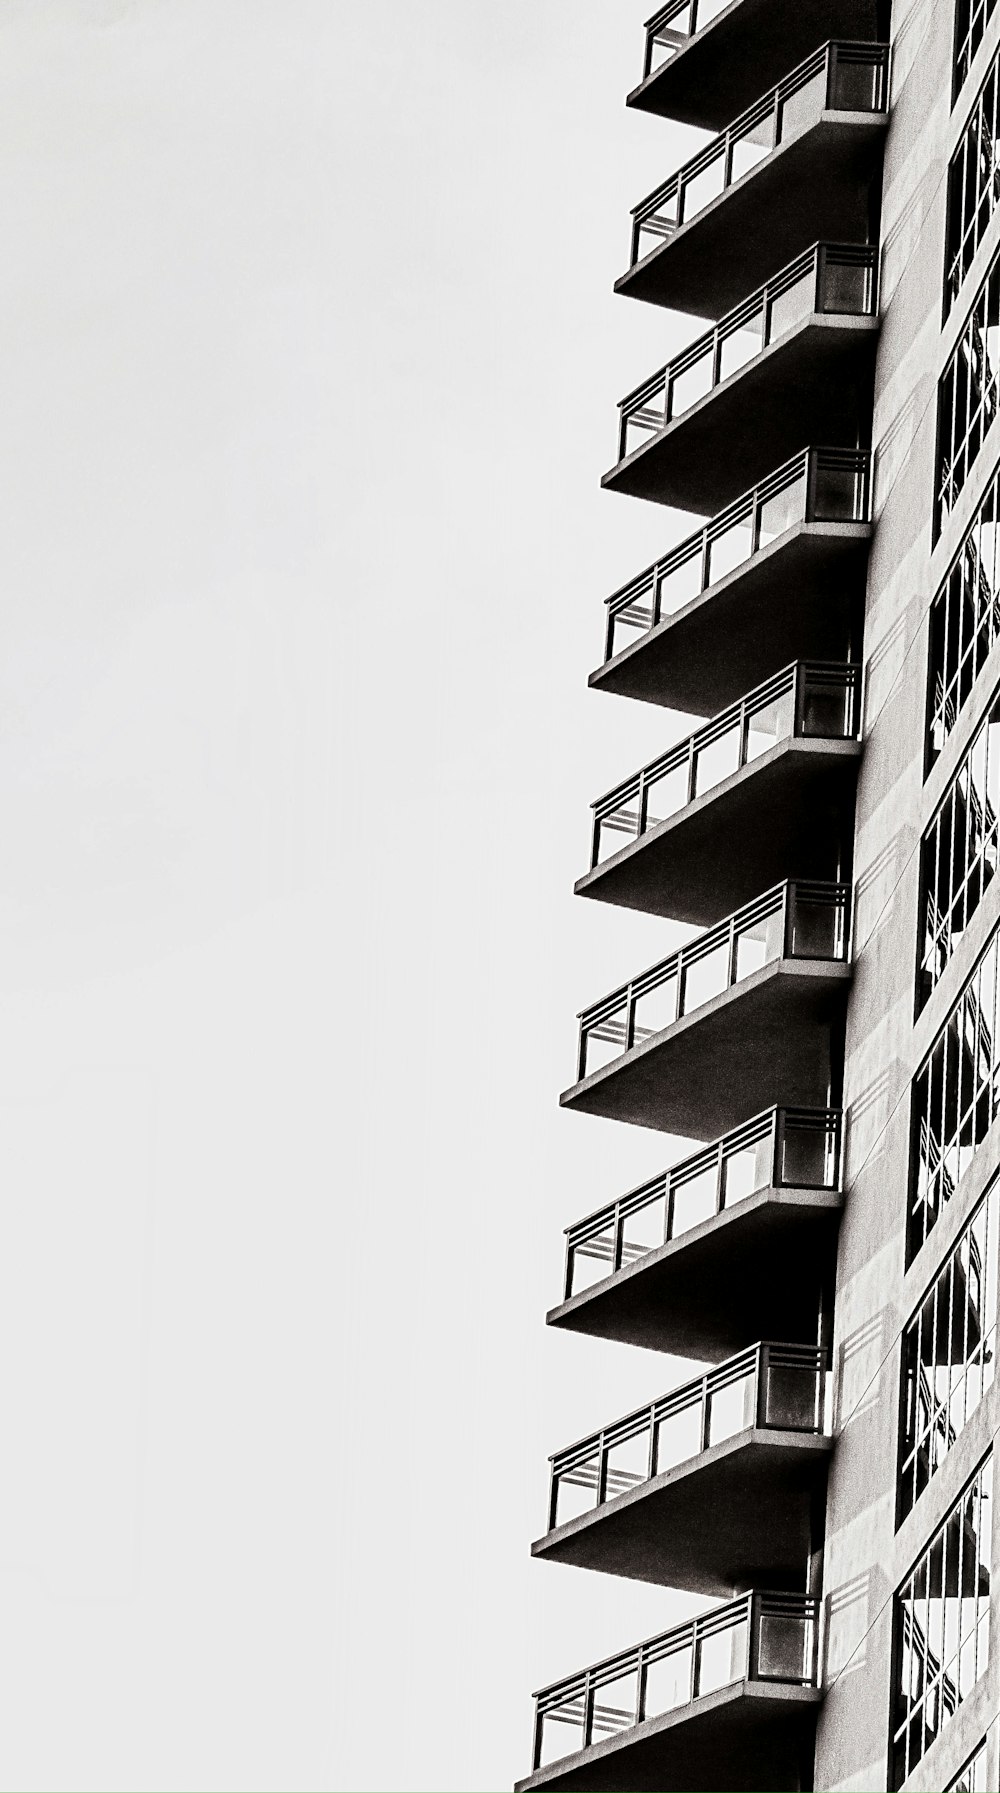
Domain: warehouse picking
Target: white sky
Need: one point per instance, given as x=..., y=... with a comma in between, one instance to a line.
x=308, y=363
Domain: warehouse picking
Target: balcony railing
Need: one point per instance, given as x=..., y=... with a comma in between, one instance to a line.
x=760, y=1637
x=768, y=1387
x=837, y=78
x=807, y=701
x=673, y=26
x=785, y=1148
x=794, y=920
x=834, y=280
x=821, y=485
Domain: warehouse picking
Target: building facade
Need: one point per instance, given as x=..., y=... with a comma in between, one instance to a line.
x=828, y=1258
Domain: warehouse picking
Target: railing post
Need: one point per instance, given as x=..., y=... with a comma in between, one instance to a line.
x=788, y=904
x=618, y=1241
x=753, y=1637
x=831, y=71
x=763, y=1373
x=810, y=485
x=798, y=726
x=720, y=1177
x=703, y=1443
x=777, y=1149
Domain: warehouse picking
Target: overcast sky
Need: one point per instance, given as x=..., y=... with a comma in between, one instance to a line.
x=308, y=365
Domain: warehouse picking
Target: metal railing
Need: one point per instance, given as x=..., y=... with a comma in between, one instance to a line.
x=784, y=1148
x=808, y=700
x=673, y=26
x=839, y=77
x=830, y=279
x=820, y=485
x=767, y=1387
x=795, y=920
x=759, y=1637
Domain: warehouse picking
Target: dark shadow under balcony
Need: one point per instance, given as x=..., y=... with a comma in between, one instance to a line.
x=709, y=1489
x=737, y=1021
x=764, y=789
x=728, y=1700
x=793, y=361
x=796, y=166
x=781, y=572
x=706, y=60
x=730, y=1245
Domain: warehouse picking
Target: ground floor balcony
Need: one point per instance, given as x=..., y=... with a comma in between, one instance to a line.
x=727, y=1701
x=737, y=1021
x=795, y=167
x=706, y=60
x=728, y=1246
x=781, y=572
x=794, y=361
x=712, y=1488
x=765, y=789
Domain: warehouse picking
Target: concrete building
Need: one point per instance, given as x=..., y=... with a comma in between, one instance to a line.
x=832, y=1033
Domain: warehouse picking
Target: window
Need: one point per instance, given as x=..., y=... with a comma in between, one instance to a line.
x=973, y=187
x=956, y=1095
x=971, y=20
x=948, y=1352
x=973, y=1776
x=959, y=853
x=964, y=622
x=967, y=396
x=943, y=1626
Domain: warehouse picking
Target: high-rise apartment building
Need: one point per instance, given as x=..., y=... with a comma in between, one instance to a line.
x=829, y=1257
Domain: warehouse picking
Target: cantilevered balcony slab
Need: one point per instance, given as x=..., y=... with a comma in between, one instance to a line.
x=735, y=1022
x=814, y=380
x=704, y=64
x=751, y=1269
x=728, y=1700
x=751, y=1737
x=796, y=167
x=711, y=1488
x=741, y=1509
x=780, y=573
x=785, y=812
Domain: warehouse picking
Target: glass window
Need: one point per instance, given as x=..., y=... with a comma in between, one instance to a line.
x=948, y=1351
x=943, y=1626
x=971, y=20
x=956, y=1095
x=959, y=853
x=973, y=187
x=967, y=396
x=964, y=622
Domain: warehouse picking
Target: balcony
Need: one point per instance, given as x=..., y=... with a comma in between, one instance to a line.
x=728, y=1246
x=738, y=1020
x=764, y=789
x=797, y=165
x=780, y=572
x=708, y=59
x=708, y=1489
x=726, y=1701
x=796, y=358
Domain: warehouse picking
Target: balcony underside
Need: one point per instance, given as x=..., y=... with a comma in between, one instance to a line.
x=814, y=187
x=763, y=1043
x=814, y=383
x=752, y=1272
x=746, y=51
x=735, y=1515
x=749, y=1738
x=795, y=600
x=782, y=816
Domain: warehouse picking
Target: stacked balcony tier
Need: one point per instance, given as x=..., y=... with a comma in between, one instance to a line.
x=767, y=785
x=793, y=361
x=780, y=572
x=737, y=1021
x=726, y=1701
x=705, y=60
x=726, y=1247
x=674, y=1493
x=797, y=165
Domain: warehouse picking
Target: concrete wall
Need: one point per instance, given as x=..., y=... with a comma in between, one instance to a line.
x=866, y=1559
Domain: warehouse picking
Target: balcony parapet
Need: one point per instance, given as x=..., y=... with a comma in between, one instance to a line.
x=707, y=1489
x=733, y=1022
x=771, y=574
x=671, y=1712
x=727, y=1244
x=762, y=789
x=793, y=167
x=705, y=60
x=796, y=356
